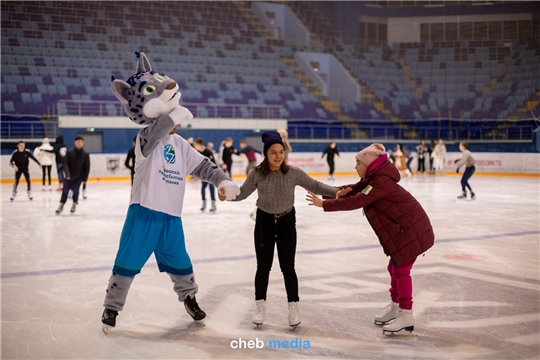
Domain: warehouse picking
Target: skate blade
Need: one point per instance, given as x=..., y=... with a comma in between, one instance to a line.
x=293, y=327
x=400, y=333
x=200, y=323
x=106, y=329
x=382, y=322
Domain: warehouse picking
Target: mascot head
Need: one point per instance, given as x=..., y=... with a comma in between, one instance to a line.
x=147, y=94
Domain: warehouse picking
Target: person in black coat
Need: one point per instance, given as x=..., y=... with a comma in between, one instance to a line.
x=77, y=169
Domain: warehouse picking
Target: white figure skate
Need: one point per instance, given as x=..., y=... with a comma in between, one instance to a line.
x=403, y=321
x=388, y=314
x=260, y=312
x=294, y=315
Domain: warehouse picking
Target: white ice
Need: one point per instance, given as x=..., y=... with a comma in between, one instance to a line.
x=476, y=292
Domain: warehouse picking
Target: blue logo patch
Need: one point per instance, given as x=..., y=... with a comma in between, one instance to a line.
x=168, y=154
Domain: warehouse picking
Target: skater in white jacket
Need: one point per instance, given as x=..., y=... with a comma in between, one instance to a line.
x=438, y=157
x=45, y=154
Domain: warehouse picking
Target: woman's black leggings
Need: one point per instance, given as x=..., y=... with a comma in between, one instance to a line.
x=271, y=231
x=331, y=165
x=46, y=168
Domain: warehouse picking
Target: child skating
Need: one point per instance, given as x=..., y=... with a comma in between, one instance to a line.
x=400, y=223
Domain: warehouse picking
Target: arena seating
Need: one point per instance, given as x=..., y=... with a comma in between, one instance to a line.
x=59, y=55
x=61, y=51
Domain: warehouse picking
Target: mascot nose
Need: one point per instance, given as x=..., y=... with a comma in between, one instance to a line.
x=171, y=85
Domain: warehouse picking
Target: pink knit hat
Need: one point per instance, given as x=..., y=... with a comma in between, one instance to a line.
x=370, y=154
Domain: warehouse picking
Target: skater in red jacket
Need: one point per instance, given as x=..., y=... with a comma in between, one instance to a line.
x=398, y=219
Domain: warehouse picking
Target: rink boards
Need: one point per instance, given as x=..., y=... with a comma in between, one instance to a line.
x=111, y=166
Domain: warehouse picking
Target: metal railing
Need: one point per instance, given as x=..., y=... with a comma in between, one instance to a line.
x=409, y=130
x=34, y=127
x=29, y=129
x=200, y=110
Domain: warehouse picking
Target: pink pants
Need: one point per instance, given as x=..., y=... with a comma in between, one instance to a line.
x=401, y=284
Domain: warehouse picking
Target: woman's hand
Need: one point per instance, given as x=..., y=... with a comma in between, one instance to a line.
x=314, y=199
x=342, y=192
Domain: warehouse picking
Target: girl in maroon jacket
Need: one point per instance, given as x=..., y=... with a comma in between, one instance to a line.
x=398, y=219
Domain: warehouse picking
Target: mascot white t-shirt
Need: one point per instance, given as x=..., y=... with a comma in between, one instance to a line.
x=160, y=179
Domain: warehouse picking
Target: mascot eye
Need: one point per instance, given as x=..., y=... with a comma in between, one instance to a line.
x=159, y=78
x=149, y=90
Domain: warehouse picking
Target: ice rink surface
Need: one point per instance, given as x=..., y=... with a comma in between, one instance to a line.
x=476, y=292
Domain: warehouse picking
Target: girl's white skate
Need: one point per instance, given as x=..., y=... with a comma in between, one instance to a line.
x=403, y=321
x=388, y=314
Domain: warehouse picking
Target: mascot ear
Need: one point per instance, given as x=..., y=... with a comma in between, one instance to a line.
x=118, y=87
x=143, y=65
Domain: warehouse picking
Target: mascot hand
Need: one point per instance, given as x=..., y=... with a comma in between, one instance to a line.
x=180, y=114
x=230, y=188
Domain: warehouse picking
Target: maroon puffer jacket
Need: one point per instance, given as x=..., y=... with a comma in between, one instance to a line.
x=400, y=222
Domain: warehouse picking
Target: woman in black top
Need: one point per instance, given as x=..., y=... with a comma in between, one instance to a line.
x=330, y=151
x=20, y=162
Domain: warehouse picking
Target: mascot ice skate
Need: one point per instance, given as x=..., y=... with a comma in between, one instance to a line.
x=163, y=161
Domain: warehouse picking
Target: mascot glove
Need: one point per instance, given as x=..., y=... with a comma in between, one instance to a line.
x=180, y=114
x=230, y=188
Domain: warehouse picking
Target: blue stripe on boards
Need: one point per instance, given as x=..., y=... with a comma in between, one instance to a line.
x=248, y=257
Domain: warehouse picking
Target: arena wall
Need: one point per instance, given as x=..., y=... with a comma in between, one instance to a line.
x=111, y=166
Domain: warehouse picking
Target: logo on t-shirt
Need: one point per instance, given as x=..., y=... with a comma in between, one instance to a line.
x=168, y=154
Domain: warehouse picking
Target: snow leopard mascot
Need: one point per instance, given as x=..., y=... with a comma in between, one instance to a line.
x=163, y=161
